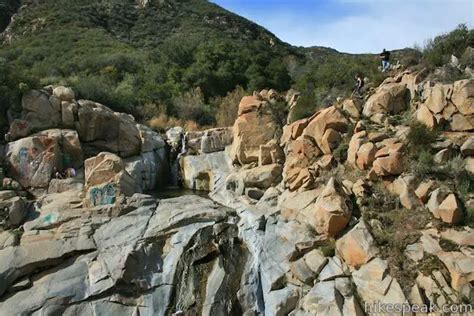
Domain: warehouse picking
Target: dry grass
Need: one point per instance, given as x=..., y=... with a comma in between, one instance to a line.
x=163, y=122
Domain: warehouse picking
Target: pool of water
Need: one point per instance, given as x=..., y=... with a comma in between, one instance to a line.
x=172, y=192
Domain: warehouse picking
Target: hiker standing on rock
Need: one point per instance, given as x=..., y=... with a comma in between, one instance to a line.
x=358, y=86
x=385, y=57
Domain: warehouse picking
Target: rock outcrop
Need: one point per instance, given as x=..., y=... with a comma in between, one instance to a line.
x=254, y=127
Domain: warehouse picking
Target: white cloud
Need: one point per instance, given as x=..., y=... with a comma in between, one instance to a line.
x=387, y=24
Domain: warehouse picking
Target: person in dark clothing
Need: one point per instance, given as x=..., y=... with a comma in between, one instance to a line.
x=359, y=85
x=385, y=57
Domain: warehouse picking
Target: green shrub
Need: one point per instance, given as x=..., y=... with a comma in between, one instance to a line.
x=340, y=153
x=421, y=137
x=438, y=50
x=424, y=164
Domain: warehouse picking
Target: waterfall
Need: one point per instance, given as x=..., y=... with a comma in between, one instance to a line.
x=175, y=154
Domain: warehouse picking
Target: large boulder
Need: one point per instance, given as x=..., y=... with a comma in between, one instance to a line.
x=255, y=126
x=293, y=131
x=413, y=79
x=437, y=97
x=450, y=210
x=41, y=111
x=201, y=172
x=374, y=284
x=64, y=93
x=323, y=127
x=150, y=140
x=31, y=160
x=463, y=96
x=70, y=146
x=262, y=177
x=106, y=179
x=101, y=129
x=391, y=98
x=357, y=247
x=388, y=159
x=209, y=141
x=16, y=210
x=302, y=154
x=332, y=210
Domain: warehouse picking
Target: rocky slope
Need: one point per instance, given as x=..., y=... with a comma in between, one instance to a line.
x=318, y=217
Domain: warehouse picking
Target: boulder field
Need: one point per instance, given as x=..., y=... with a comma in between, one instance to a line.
x=321, y=216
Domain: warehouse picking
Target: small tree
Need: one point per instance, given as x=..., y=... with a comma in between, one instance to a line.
x=227, y=107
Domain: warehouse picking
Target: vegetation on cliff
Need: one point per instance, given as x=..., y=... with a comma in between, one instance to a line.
x=147, y=60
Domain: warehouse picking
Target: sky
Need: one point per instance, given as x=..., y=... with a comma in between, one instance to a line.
x=355, y=26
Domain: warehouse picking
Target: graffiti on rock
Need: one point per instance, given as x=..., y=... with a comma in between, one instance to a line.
x=50, y=219
x=102, y=195
x=23, y=161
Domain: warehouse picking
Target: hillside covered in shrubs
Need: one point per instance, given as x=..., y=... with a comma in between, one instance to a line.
x=181, y=62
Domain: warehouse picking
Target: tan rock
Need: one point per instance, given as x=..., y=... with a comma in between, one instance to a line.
x=330, y=141
x=448, y=111
x=332, y=210
x=19, y=129
x=469, y=162
x=366, y=156
x=376, y=137
x=450, y=210
x=436, y=197
x=353, y=107
x=389, y=160
x=271, y=153
x=326, y=162
x=424, y=189
x=388, y=165
x=302, y=154
x=63, y=93
x=463, y=96
x=460, y=267
x=404, y=187
x=105, y=130
x=249, y=104
x=462, y=123
x=304, y=178
x=354, y=145
x=467, y=149
x=329, y=118
x=301, y=271
x=315, y=260
x=443, y=156
x=360, y=188
x=40, y=113
x=293, y=131
x=424, y=116
x=255, y=126
x=388, y=99
x=357, y=247
x=262, y=177
x=437, y=97
x=464, y=237
x=304, y=148
x=412, y=80
x=68, y=113
x=106, y=180
x=32, y=160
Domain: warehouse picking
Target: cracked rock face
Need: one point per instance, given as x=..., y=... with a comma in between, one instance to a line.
x=174, y=255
